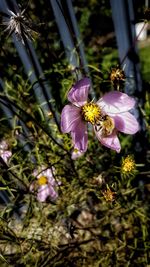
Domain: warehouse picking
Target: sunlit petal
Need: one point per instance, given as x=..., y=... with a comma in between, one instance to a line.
x=70, y=118
x=43, y=193
x=126, y=123
x=80, y=137
x=78, y=94
x=116, y=102
x=110, y=141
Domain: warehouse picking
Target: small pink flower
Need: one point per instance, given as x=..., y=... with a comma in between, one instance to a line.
x=4, y=153
x=76, y=153
x=45, y=184
x=109, y=115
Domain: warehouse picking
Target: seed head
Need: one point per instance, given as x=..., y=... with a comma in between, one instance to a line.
x=19, y=24
x=109, y=195
x=117, y=77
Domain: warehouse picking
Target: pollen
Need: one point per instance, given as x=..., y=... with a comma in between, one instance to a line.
x=42, y=180
x=128, y=165
x=91, y=113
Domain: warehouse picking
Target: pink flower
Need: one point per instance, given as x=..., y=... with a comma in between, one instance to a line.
x=4, y=153
x=109, y=115
x=45, y=184
x=76, y=153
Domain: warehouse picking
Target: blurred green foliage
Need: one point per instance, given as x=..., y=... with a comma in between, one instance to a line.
x=145, y=62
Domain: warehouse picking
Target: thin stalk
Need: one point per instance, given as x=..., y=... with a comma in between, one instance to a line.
x=133, y=44
x=10, y=102
x=39, y=80
x=9, y=171
x=4, y=98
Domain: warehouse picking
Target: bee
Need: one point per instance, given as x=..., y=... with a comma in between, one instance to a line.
x=105, y=125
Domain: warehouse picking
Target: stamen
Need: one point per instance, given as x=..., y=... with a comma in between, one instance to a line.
x=42, y=180
x=91, y=113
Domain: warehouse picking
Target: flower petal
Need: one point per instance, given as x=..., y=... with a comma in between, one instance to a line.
x=52, y=193
x=70, y=118
x=51, y=181
x=3, y=145
x=6, y=155
x=78, y=94
x=116, y=102
x=43, y=193
x=49, y=173
x=110, y=141
x=126, y=123
x=80, y=137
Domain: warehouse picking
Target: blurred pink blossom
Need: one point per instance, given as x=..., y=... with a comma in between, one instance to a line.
x=4, y=152
x=45, y=184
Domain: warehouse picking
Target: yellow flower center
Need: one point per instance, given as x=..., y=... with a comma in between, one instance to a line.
x=91, y=113
x=42, y=180
x=128, y=165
